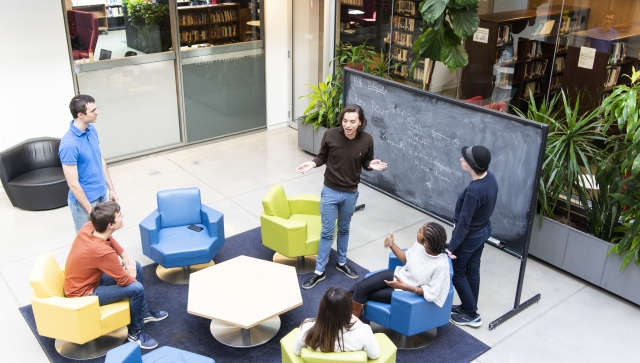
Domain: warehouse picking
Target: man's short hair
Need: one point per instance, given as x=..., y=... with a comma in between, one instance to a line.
x=79, y=104
x=104, y=214
x=609, y=12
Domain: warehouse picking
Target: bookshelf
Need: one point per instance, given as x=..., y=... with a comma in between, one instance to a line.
x=406, y=27
x=100, y=10
x=216, y=24
x=523, y=50
x=608, y=67
x=115, y=14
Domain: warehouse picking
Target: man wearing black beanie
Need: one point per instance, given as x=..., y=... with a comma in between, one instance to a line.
x=472, y=228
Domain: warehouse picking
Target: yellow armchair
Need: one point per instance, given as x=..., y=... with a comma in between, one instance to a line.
x=387, y=352
x=291, y=227
x=75, y=323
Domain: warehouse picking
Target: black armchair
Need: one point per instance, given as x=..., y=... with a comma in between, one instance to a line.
x=32, y=176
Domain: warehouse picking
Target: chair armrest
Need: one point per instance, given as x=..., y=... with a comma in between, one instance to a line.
x=79, y=315
x=287, y=237
x=311, y=356
x=126, y=353
x=286, y=346
x=408, y=312
x=305, y=204
x=149, y=230
x=388, y=350
x=214, y=221
x=395, y=261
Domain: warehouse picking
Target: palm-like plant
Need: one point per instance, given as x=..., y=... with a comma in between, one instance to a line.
x=325, y=103
x=383, y=66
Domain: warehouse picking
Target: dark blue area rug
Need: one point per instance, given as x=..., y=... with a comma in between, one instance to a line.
x=191, y=333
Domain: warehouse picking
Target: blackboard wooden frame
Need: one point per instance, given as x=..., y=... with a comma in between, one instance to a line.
x=521, y=252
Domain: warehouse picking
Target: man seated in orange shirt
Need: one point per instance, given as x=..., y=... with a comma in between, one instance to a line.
x=98, y=266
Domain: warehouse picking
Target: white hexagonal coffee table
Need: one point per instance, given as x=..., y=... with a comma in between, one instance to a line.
x=244, y=297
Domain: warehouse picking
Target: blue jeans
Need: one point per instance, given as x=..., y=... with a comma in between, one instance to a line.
x=335, y=204
x=108, y=291
x=466, y=268
x=79, y=214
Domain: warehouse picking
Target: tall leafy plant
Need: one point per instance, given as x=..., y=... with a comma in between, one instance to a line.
x=325, y=103
x=620, y=108
x=145, y=10
x=447, y=23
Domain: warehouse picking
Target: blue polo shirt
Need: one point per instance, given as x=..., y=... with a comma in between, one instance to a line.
x=82, y=148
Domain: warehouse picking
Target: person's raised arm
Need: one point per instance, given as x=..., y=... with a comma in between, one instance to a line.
x=399, y=252
x=112, y=190
x=71, y=174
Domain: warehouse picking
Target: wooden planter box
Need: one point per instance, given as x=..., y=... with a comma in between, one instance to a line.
x=584, y=256
x=309, y=139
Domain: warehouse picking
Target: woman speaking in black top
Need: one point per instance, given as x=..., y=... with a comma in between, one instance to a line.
x=471, y=229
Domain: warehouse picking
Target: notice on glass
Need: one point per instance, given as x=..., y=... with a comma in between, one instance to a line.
x=587, y=55
x=482, y=35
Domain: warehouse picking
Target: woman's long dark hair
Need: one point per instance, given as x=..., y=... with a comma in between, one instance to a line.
x=353, y=108
x=334, y=314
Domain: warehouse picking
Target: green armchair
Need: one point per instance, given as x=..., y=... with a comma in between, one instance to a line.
x=387, y=352
x=291, y=227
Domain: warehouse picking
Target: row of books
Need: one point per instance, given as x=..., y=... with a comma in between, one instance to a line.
x=617, y=52
x=506, y=53
x=542, y=28
x=224, y=31
x=504, y=34
x=563, y=44
x=352, y=2
x=193, y=36
x=400, y=54
x=117, y=11
x=400, y=22
x=535, y=49
x=532, y=88
x=503, y=76
x=558, y=65
x=404, y=39
x=405, y=7
x=612, y=76
x=220, y=16
x=568, y=25
x=556, y=83
x=535, y=68
x=193, y=19
x=403, y=71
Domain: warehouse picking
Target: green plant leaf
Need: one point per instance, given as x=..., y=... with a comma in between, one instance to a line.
x=464, y=21
x=431, y=10
x=453, y=54
x=429, y=44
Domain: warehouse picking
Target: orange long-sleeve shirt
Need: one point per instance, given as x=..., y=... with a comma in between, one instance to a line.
x=89, y=258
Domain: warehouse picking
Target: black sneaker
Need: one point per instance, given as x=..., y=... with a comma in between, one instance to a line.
x=154, y=315
x=464, y=319
x=457, y=309
x=313, y=280
x=143, y=339
x=347, y=270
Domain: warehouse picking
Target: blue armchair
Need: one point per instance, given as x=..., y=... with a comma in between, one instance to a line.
x=177, y=249
x=410, y=321
x=130, y=353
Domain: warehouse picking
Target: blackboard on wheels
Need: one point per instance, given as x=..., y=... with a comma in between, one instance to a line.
x=420, y=136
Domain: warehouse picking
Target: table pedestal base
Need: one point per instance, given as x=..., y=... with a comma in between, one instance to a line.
x=245, y=338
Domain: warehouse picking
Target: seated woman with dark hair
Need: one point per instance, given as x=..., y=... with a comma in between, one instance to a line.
x=425, y=271
x=335, y=329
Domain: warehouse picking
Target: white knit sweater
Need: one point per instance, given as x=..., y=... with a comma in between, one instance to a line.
x=429, y=272
x=359, y=337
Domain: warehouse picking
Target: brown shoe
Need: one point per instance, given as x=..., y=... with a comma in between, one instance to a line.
x=356, y=309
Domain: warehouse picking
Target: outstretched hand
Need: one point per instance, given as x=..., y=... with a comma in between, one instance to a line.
x=388, y=242
x=377, y=165
x=305, y=167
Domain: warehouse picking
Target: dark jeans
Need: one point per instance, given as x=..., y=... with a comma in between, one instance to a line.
x=108, y=291
x=374, y=288
x=466, y=268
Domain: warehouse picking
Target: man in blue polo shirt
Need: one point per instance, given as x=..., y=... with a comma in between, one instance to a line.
x=83, y=165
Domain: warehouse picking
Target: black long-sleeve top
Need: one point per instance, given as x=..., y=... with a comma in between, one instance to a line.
x=345, y=158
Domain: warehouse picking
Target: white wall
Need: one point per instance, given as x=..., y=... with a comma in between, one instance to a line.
x=36, y=83
x=277, y=19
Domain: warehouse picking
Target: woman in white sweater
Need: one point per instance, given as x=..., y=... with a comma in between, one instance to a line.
x=335, y=329
x=425, y=271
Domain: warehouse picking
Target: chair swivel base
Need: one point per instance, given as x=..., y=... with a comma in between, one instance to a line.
x=180, y=275
x=302, y=264
x=236, y=337
x=93, y=349
x=406, y=342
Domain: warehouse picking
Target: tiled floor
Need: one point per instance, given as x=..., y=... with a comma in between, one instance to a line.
x=573, y=322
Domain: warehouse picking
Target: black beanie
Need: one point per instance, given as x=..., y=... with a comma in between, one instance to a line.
x=478, y=158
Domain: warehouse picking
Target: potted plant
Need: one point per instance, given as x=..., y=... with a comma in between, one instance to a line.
x=325, y=103
x=147, y=26
x=357, y=57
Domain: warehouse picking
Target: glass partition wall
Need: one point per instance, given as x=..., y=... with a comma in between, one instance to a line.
x=528, y=48
x=166, y=72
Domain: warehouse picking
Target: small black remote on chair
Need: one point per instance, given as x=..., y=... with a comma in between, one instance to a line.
x=195, y=228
